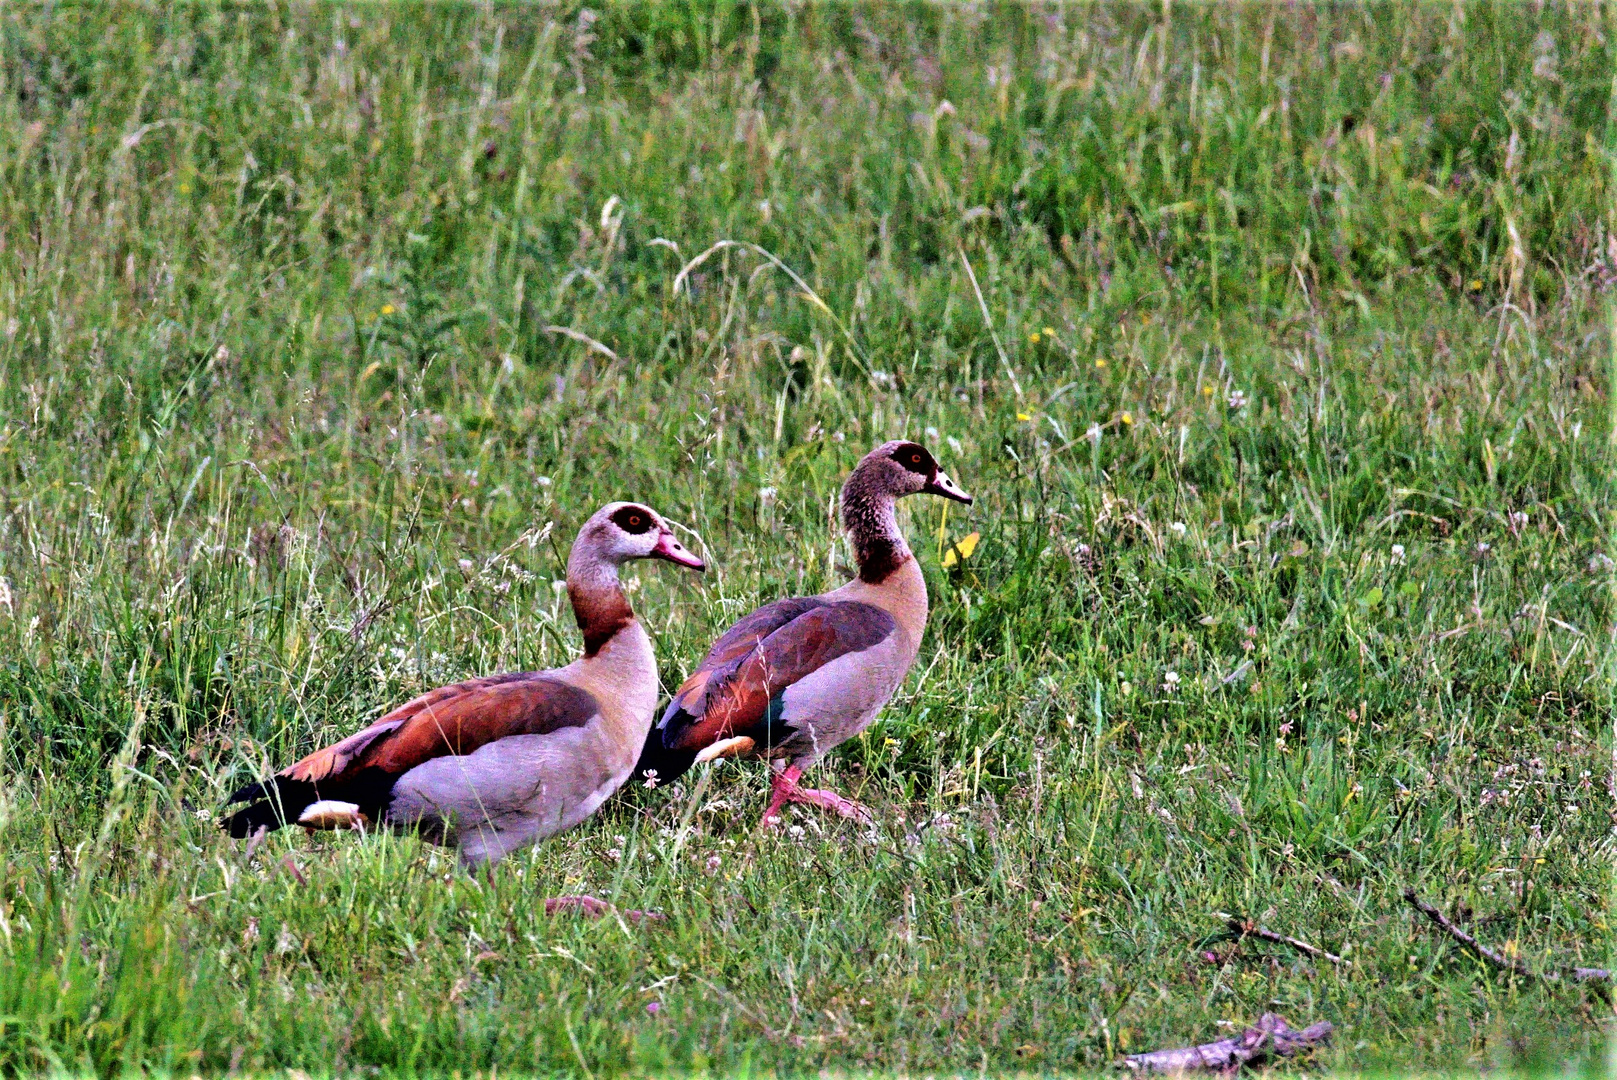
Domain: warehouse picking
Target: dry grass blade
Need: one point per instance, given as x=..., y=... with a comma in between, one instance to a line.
x=583, y=339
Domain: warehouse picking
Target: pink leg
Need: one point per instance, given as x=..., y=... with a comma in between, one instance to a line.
x=784, y=790
x=585, y=904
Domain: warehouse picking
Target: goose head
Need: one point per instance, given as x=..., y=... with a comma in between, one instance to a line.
x=900, y=468
x=623, y=531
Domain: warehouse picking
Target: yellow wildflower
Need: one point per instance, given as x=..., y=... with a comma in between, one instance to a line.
x=1127, y=418
x=1033, y=338
x=387, y=309
x=961, y=549
x=1100, y=362
x=1049, y=332
x=1024, y=417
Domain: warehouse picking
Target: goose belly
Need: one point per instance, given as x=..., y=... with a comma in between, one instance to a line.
x=510, y=793
x=838, y=701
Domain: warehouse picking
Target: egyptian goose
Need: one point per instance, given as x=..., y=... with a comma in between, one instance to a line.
x=797, y=677
x=493, y=764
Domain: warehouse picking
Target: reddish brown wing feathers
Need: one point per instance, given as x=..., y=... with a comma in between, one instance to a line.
x=452, y=720
x=758, y=659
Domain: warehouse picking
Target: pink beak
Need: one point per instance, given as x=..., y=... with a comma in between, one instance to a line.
x=671, y=549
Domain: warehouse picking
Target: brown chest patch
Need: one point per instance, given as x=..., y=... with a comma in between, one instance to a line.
x=878, y=558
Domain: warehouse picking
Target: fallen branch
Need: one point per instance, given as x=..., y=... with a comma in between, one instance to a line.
x=1241, y=928
x=1270, y=1038
x=1498, y=960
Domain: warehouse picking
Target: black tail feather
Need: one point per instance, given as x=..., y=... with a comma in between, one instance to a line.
x=270, y=804
x=668, y=764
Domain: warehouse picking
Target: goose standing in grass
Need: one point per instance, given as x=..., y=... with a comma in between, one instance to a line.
x=493, y=764
x=797, y=677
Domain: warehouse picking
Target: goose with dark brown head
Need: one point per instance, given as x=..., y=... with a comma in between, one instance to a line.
x=798, y=676
x=493, y=764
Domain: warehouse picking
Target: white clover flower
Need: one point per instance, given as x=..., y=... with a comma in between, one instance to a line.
x=1398, y=553
x=713, y=864
x=1519, y=519
x=1236, y=399
x=1597, y=562
x=1170, y=682
x=1178, y=528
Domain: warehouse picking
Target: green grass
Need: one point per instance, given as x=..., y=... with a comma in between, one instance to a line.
x=287, y=435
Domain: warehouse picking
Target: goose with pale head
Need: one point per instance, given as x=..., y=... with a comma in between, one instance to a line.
x=493, y=764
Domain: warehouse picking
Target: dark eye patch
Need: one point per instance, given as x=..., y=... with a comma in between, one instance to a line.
x=915, y=459
x=633, y=520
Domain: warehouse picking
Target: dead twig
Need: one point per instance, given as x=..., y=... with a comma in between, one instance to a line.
x=1271, y=1037
x=1241, y=928
x=1497, y=959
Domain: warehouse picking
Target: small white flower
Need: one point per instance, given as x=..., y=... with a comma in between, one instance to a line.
x=883, y=379
x=932, y=434
x=1597, y=562
x=1398, y=553
x=542, y=481
x=1519, y=519
x=795, y=832
x=1483, y=547
x=614, y=854
x=1170, y=682
x=465, y=565
x=766, y=496
x=954, y=446
x=1237, y=399
x=839, y=437
x=558, y=586
x=713, y=864
x=1178, y=528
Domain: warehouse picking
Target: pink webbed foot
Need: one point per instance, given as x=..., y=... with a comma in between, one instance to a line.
x=584, y=904
x=785, y=789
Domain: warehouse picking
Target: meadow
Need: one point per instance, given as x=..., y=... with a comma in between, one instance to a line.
x=1275, y=342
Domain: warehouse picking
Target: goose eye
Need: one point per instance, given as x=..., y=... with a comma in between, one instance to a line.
x=632, y=521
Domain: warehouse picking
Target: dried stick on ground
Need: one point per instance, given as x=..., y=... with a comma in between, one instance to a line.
x=1270, y=1038
x=1573, y=974
x=1247, y=928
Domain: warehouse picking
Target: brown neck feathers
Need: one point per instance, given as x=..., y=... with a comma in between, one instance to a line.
x=867, y=515
x=598, y=601
x=601, y=610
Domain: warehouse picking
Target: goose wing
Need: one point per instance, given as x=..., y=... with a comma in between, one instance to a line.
x=738, y=688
